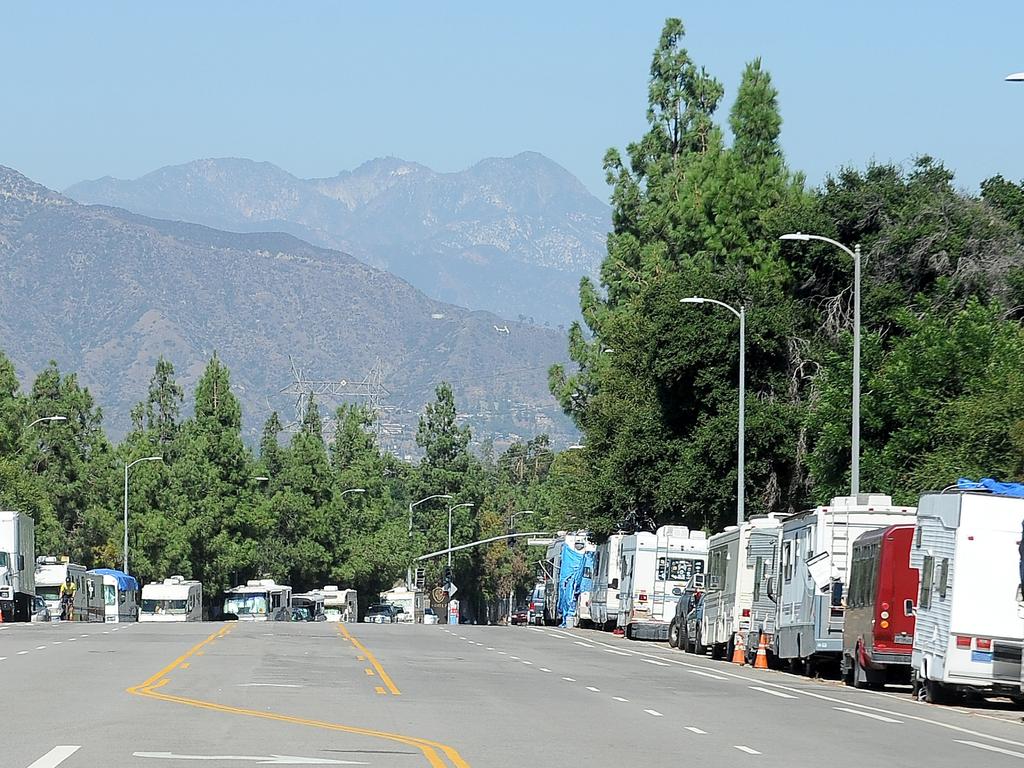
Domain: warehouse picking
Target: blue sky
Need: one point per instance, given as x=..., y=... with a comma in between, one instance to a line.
x=122, y=89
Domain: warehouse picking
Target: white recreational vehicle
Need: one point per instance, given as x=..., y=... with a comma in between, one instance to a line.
x=655, y=569
x=50, y=573
x=259, y=600
x=173, y=599
x=814, y=560
x=562, y=589
x=969, y=634
x=340, y=604
x=120, y=595
x=413, y=602
x=735, y=576
x=17, y=566
x=604, y=595
x=309, y=606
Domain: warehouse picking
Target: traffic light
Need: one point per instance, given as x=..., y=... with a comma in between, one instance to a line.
x=421, y=578
x=447, y=574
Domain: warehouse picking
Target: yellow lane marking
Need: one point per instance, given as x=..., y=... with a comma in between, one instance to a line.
x=380, y=689
x=184, y=665
x=384, y=676
x=429, y=748
x=360, y=658
x=368, y=671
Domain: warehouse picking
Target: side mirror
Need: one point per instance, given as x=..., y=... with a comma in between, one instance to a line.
x=614, y=584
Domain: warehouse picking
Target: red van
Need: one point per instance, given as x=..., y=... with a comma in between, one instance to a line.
x=878, y=633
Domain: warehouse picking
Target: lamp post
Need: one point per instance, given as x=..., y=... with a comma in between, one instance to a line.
x=741, y=314
x=855, y=429
x=511, y=586
x=417, y=503
x=46, y=418
x=127, y=466
x=1016, y=77
x=352, y=490
x=450, y=510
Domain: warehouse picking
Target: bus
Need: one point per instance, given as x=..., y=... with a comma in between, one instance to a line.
x=120, y=595
x=173, y=599
x=259, y=600
x=878, y=632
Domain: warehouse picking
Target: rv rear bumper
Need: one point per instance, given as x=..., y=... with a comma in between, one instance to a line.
x=649, y=630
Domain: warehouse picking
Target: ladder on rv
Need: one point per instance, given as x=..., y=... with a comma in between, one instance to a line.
x=661, y=566
x=839, y=554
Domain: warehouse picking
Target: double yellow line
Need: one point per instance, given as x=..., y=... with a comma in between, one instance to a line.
x=384, y=676
x=431, y=750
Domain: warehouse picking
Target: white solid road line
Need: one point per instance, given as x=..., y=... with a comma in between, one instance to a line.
x=657, y=663
x=653, y=713
x=55, y=757
x=588, y=645
x=872, y=715
x=748, y=750
x=990, y=748
x=770, y=692
x=694, y=729
x=707, y=674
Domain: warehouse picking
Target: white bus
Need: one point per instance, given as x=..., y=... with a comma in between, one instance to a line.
x=604, y=596
x=50, y=574
x=259, y=600
x=173, y=599
x=816, y=549
x=968, y=635
x=655, y=569
x=120, y=595
x=340, y=604
x=735, y=573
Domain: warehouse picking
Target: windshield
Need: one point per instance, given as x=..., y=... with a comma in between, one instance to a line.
x=109, y=594
x=301, y=614
x=379, y=608
x=48, y=593
x=162, y=606
x=246, y=605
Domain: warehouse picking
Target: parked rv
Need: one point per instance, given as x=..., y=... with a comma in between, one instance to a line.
x=814, y=561
x=308, y=606
x=878, y=631
x=88, y=605
x=412, y=601
x=340, y=604
x=969, y=634
x=655, y=569
x=604, y=596
x=173, y=599
x=259, y=600
x=120, y=595
x=735, y=579
x=17, y=566
x=568, y=556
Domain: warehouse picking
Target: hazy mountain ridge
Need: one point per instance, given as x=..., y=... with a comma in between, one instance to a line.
x=511, y=235
x=105, y=292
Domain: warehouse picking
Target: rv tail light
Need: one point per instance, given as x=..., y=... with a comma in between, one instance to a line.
x=963, y=642
x=643, y=597
x=984, y=643
x=884, y=624
x=745, y=613
x=885, y=606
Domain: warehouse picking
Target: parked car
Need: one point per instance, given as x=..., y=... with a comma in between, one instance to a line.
x=521, y=615
x=382, y=613
x=536, y=605
x=40, y=611
x=429, y=617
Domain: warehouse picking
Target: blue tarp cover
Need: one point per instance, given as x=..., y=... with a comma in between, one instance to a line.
x=993, y=486
x=124, y=581
x=570, y=579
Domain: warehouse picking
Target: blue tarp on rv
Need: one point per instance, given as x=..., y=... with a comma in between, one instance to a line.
x=992, y=486
x=574, y=569
x=124, y=581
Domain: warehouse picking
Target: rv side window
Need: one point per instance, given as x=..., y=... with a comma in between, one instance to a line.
x=275, y=600
x=943, y=577
x=927, y=579
x=758, y=576
x=787, y=561
x=917, y=536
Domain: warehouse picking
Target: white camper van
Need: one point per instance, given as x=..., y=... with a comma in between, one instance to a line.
x=969, y=634
x=259, y=600
x=814, y=560
x=340, y=604
x=655, y=569
x=735, y=573
x=120, y=595
x=51, y=572
x=173, y=599
x=604, y=595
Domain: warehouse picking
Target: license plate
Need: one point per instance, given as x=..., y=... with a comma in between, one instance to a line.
x=904, y=640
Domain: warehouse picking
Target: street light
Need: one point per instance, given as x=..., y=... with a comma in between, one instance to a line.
x=512, y=585
x=855, y=429
x=450, y=510
x=127, y=466
x=417, y=503
x=1016, y=77
x=352, y=490
x=46, y=418
x=741, y=314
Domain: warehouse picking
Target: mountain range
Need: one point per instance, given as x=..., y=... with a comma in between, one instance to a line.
x=508, y=235
x=104, y=292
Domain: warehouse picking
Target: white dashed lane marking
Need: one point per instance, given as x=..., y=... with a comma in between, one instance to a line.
x=618, y=653
x=569, y=679
x=990, y=748
x=706, y=674
x=695, y=729
x=585, y=645
x=619, y=698
x=653, y=712
x=592, y=688
x=872, y=715
x=746, y=749
x=770, y=692
x=656, y=663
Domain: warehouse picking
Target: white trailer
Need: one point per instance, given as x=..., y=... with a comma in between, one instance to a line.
x=604, y=596
x=120, y=595
x=412, y=601
x=259, y=600
x=17, y=566
x=814, y=560
x=763, y=548
x=173, y=599
x=735, y=573
x=969, y=634
x=340, y=604
x=51, y=573
x=655, y=569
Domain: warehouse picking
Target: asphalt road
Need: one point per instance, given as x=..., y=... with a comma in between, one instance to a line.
x=237, y=694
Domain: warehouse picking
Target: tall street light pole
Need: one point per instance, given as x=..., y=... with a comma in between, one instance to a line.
x=50, y=419
x=741, y=314
x=512, y=585
x=1016, y=77
x=450, y=510
x=408, y=571
x=855, y=429
x=352, y=490
x=127, y=466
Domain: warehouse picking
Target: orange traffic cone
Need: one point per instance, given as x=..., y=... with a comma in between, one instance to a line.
x=739, y=652
x=761, y=660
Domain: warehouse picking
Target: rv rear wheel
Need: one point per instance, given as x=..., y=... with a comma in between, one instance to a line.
x=935, y=692
x=673, y=635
